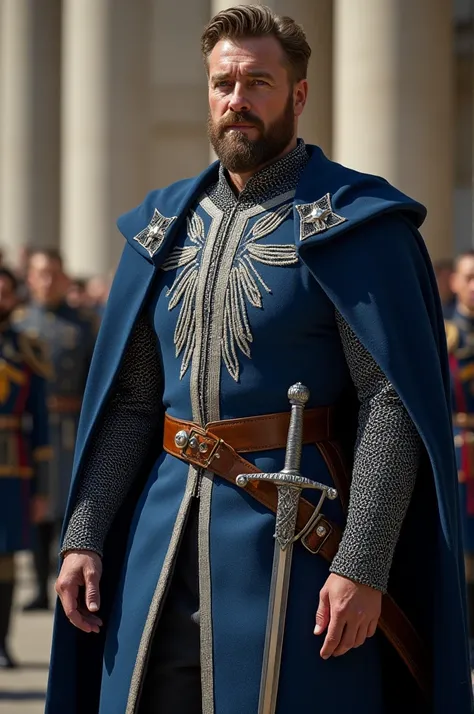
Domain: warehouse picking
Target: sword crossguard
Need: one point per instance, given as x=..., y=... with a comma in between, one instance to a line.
x=287, y=478
x=289, y=486
x=288, y=481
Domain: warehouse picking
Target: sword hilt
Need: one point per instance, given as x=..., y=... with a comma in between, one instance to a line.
x=289, y=481
x=298, y=396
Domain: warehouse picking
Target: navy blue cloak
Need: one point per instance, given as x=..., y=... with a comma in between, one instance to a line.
x=374, y=268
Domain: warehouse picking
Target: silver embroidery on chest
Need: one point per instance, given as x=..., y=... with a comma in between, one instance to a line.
x=153, y=235
x=245, y=285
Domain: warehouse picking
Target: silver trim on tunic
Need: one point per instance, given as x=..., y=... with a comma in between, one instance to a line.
x=158, y=597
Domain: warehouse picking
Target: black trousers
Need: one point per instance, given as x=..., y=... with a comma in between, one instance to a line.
x=173, y=678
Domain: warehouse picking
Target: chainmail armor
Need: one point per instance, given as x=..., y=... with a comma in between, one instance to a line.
x=386, y=457
x=121, y=444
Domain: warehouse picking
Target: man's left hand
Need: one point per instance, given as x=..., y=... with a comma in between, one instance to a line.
x=350, y=613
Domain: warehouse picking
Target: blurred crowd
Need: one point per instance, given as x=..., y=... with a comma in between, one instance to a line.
x=48, y=325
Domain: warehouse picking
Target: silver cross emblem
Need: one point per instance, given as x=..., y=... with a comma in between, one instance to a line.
x=153, y=235
x=317, y=217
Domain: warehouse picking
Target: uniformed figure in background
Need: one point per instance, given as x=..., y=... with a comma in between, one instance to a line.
x=24, y=447
x=460, y=336
x=69, y=334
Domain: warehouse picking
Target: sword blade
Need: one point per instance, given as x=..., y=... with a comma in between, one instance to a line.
x=275, y=630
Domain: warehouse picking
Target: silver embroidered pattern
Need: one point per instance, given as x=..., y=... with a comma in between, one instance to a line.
x=184, y=289
x=245, y=285
x=317, y=217
x=153, y=235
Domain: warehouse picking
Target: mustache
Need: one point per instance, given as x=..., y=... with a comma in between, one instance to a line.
x=240, y=118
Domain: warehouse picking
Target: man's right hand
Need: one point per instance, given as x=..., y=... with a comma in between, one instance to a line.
x=81, y=569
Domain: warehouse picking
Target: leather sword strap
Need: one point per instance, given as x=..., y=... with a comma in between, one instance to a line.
x=207, y=449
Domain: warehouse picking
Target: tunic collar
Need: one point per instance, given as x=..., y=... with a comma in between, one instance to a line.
x=273, y=180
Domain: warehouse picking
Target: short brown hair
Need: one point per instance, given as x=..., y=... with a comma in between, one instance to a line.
x=259, y=21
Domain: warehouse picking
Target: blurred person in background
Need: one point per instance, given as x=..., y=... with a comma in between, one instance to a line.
x=25, y=451
x=443, y=271
x=460, y=337
x=97, y=290
x=76, y=296
x=69, y=335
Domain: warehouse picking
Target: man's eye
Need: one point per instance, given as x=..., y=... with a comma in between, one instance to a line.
x=222, y=83
x=259, y=82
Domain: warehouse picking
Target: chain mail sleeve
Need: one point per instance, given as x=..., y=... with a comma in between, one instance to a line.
x=386, y=458
x=121, y=444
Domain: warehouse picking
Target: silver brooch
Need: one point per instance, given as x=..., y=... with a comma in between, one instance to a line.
x=317, y=217
x=152, y=236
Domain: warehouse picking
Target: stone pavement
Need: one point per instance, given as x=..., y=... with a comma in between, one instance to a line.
x=22, y=690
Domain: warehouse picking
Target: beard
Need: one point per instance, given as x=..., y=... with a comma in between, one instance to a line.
x=240, y=154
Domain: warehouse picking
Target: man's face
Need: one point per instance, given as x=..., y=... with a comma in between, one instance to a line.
x=462, y=283
x=8, y=298
x=253, y=105
x=46, y=280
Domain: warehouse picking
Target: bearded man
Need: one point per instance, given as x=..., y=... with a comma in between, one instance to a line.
x=275, y=266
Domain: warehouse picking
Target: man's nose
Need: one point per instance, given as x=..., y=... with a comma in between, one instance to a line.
x=238, y=101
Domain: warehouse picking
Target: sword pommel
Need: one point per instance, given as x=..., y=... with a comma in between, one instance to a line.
x=298, y=394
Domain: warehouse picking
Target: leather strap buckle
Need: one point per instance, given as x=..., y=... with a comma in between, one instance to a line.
x=198, y=445
x=315, y=534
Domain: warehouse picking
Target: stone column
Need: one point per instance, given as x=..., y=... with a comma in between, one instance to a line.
x=178, y=91
x=29, y=124
x=47, y=61
x=16, y=125
x=104, y=126
x=393, y=102
x=315, y=125
x=86, y=120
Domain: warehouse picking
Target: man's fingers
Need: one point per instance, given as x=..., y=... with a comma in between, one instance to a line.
x=92, y=598
x=83, y=621
x=348, y=638
x=334, y=635
x=68, y=594
x=372, y=628
x=323, y=613
x=361, y=636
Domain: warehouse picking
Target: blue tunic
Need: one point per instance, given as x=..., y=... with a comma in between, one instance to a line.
x=230, y=346
x=24, y=439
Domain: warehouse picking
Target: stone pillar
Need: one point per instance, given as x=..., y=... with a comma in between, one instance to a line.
x=47, y=61
x=178, y=91
x=315, y=125
x=104, y=127
x=16, y=125
x=29, y=124
x=86, y=120
x=393, y=103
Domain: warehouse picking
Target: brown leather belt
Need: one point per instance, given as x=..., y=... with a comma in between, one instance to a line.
x=206, y=448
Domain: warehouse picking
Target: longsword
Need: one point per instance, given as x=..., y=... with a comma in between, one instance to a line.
x=289, y=484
